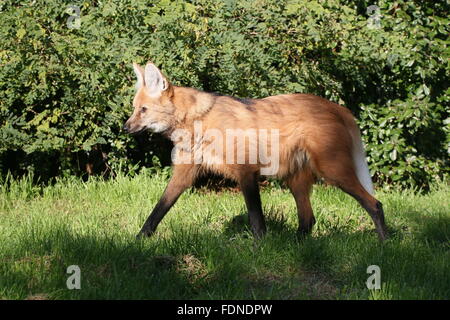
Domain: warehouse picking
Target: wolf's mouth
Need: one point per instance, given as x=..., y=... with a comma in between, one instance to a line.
x=138, y=131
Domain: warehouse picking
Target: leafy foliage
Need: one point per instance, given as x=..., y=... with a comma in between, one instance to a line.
x=65, y=92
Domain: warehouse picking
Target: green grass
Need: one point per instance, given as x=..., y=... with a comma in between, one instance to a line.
x=203, y=249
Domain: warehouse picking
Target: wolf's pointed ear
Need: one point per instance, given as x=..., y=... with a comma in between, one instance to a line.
x=139, y=71
x=154, y=80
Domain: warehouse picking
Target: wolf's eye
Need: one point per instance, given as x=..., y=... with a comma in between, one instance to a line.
x=143, y=109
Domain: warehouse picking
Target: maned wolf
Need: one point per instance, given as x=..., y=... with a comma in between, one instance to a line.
x=314, y=138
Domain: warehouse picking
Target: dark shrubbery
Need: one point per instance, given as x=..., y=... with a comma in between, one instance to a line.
x=65, y=92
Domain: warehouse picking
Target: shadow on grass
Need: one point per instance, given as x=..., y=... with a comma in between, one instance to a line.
x=414, y=266
x=433, y=229
x=110, y=269
x=198, y=264
x=275, y=221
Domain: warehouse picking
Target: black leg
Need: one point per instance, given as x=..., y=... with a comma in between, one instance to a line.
x=377, y=216
x=250, y=189
x=374, y=208
x=182, y=178
x=300, y=185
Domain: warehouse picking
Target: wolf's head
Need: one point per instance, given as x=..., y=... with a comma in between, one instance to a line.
x=153, y=107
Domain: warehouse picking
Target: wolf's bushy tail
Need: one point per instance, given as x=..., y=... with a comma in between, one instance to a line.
x=360, y=162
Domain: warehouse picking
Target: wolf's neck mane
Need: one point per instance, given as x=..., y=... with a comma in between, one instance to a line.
x=191, y=104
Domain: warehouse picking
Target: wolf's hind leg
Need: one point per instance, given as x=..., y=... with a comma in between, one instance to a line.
x=340, y=172
x=300, y=185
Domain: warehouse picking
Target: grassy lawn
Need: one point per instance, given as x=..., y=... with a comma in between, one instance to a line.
x=203, y=248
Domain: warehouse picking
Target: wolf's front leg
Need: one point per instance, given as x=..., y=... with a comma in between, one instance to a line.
x=248, y=182
x=182, y=178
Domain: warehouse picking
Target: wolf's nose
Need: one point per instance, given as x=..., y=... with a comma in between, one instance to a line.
x=125, y=127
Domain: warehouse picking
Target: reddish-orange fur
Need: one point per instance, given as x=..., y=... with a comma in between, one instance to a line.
x=316, y=139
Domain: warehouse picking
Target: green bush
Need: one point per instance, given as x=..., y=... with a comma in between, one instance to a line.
x=65, y=92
